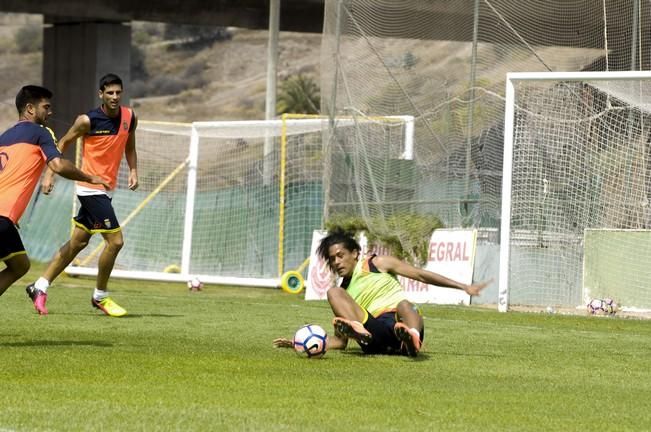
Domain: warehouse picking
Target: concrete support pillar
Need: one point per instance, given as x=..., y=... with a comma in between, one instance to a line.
x=76, y=54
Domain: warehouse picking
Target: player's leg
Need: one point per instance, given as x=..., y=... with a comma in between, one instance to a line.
x=12, y=252
x=408, y=314
x=66, y=253
x=17, y=267
x=349, y=316
x=37, y=291
x=113, y=244
x=384, y=339
x=101, y=300
x=409, y=329
x=343, y=305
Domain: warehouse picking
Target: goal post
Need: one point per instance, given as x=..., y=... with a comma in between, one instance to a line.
x=576, y=158
x=214, y=203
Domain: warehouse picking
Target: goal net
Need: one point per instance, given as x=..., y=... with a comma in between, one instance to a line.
x=233, y=202
x=576, y=182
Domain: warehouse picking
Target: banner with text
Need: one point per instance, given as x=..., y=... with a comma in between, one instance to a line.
x=451, y=254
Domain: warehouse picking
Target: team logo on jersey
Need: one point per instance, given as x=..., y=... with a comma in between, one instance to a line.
x=4, y=158
x=125, y=126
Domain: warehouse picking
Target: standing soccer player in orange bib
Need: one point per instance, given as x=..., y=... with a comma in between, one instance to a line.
x=25, y=149
x=108, y=132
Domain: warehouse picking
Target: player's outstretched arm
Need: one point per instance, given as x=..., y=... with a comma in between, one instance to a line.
x=78, y=129
x=333, y=343
x=283, y=343
x=67, y=169
x=393, y=265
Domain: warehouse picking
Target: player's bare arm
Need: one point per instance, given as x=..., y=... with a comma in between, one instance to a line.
x=334, y=343
x=132, y=156
x=67, y=169
x=78, y=129
x=393, y=265
x=283, y=343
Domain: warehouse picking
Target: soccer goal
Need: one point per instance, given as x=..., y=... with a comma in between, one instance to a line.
x=232, y=202
x=575, y=191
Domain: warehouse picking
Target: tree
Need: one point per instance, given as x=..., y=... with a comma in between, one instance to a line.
x=299, y=94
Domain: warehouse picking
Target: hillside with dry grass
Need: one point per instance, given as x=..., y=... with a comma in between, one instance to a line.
x=185, y=73
x=179, y=79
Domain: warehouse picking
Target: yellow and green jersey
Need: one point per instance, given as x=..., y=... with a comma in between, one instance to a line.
x=373, y=290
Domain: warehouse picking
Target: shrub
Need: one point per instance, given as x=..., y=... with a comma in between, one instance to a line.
x=415, y=230
x=29, y=38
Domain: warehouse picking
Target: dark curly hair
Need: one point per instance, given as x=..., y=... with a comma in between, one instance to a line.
x=31, y=94
x=333, y=238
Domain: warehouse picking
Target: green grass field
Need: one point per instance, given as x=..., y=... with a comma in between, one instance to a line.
x=204, y=361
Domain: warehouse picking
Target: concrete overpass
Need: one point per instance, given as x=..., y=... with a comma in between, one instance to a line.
x=83, y=39
x=296, y=15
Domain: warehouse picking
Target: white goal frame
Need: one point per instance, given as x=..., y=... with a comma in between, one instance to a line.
x=192, y=162
x=507, y=178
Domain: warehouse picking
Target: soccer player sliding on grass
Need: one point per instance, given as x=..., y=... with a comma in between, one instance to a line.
x=370, y=306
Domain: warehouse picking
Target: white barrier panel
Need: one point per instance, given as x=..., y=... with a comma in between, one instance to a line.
x=319, y=276
x=451, y=254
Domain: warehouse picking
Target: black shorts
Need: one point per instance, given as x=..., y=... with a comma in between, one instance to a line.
x=96, y=214
x=384, y=339
x=10, y=242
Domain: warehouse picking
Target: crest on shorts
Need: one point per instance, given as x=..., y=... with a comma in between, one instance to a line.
x=107, y=223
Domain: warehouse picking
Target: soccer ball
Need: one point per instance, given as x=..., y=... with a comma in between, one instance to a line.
x=310, y=341
x=596, y=307
x=605, y=306
x=195, y=284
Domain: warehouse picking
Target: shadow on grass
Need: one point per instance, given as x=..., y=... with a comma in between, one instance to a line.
x=153, y=315
x=42, y=343
x=128, y=316
x=358, y=353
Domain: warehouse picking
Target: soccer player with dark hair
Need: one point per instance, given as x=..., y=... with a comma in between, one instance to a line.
x=370, y=305
x=25, y=149
x=108, y=132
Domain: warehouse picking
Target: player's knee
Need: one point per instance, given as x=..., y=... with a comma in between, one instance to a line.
x=24, y=268
x=405, y=305
x=335, y=293
x=115, y=244
x=19, y=267
x=78, y=245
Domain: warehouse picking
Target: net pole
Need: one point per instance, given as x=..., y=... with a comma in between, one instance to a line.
x=270, y=99
x=281, y=196
x=408, y=153
x=327, y=144
x=507, y=175
x=634, y=33
x=471, y=105
x=189, y=202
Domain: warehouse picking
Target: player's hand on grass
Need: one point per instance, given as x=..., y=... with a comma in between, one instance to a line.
x=283, y=343
x=476, y=288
